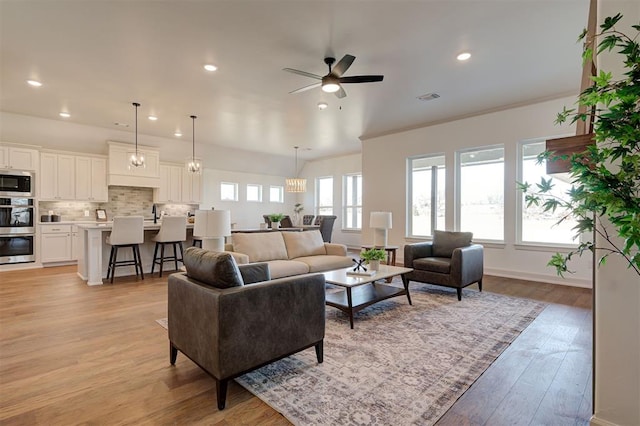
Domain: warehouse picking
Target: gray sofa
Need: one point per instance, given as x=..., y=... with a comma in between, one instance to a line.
x=450, y=260
x=232, y=319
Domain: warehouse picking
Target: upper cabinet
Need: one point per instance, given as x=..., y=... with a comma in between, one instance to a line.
x=91, y=179
x=18, y=158
x=120, y=173
x=57, y=176
x=191, y=187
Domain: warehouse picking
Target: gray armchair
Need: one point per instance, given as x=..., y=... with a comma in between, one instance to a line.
x=230, y=320
x=450, y=260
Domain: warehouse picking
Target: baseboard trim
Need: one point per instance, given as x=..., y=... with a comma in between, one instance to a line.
x=545, y=278
x=595, y=421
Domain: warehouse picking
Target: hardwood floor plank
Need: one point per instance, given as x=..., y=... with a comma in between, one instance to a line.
x=71, y=353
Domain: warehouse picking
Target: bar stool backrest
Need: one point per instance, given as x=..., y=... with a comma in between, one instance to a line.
x=127, y=230
x=173, y=228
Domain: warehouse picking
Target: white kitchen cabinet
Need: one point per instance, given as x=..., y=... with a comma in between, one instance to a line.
x=18, y=158
x=56, y=243
x=57, y=176
x=170, y=189
x=191, y=187
x=91, y=179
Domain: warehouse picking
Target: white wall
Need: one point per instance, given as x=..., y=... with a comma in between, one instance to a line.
x=617, y=296
x=384, y=179
x=246, y=214
x=336, y=167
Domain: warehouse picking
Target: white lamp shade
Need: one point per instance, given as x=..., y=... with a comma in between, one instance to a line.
x=212, y=223
x=380, y=220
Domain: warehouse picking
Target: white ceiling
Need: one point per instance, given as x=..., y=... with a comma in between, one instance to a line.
x=95, y=57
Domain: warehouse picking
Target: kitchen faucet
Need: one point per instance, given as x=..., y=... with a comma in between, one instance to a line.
x=154, y=210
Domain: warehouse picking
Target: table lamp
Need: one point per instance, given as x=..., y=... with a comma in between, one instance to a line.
x=380, y=222
x=212, y=226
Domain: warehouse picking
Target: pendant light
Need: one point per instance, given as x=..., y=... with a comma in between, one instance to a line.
x=136, y=159
x=193, y=164
x=296, y=184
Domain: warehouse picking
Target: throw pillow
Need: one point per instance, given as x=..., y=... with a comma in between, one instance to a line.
x=445, y=241
x=217, y=269
x=261, y=246
x=307, y=243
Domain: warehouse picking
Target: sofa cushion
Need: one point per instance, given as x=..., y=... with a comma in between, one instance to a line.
x=261, y=246
x=326, y=263
x=286, y=268
x=217, y=269
x=444, y=242
x=441, y=265
x=307, y=243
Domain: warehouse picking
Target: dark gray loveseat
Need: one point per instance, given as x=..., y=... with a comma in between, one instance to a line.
x=230, y=320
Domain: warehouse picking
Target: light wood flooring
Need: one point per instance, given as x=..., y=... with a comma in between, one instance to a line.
x=74, y=354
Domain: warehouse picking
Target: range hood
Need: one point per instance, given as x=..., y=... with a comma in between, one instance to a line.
x=121, y=175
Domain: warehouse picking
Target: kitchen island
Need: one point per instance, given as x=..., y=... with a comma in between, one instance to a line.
x=93, y=253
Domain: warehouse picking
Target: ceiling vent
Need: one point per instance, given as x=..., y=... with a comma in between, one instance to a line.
x=429, y=97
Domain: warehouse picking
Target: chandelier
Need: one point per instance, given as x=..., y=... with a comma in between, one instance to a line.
x=296, y=184
x=193, y=164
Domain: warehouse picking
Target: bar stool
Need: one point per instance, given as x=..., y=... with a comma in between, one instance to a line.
x=172, y=231
x=127, y=231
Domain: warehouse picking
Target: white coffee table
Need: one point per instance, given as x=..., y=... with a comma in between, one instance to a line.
x=362, y=291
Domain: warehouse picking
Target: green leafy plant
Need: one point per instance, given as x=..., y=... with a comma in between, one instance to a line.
x=298, y=208
x=276, y=217
x=373, y=254
x=605, y=192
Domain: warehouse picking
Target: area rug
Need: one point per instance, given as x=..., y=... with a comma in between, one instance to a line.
x=401, y=365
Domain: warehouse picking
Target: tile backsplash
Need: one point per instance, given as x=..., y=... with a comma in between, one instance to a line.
x=123, y=201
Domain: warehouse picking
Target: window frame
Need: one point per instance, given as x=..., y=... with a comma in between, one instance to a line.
x=345, y=203
x=458, y=189
x=259, y=188
x=317, y=206
x=235, y=191
x=433, y=191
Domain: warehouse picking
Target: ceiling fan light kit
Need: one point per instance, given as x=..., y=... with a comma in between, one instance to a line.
x=332, y=82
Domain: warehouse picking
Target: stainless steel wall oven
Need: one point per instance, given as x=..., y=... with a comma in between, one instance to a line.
x=17, y=217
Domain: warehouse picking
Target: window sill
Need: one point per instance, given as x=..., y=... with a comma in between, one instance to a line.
x=551, y=248
x=352, y=231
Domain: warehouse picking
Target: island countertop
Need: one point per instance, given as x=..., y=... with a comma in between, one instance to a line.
x=148, y=225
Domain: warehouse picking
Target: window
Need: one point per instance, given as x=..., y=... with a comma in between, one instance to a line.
x=324, y=196
x=276, y=194
x=481, y=192
x=426, y=195
x=352, y=201
x=228, y=191
x=254, y=192
x=536, y=225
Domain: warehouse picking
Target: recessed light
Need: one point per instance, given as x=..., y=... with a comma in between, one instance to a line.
x=177, y=134
x=322, y=105
x=34, y=83
x=210, y=67
x=65, y=114
x=153, y=118
x=463, y=56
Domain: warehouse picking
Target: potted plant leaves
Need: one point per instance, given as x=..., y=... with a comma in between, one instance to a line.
x=275, y=219
x=373, y=256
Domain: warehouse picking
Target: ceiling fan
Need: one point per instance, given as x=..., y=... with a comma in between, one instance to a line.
x=331, y=83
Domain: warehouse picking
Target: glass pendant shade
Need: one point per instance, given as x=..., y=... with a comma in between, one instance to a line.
x=136, y=158
x=296, y=184
x=193, y=164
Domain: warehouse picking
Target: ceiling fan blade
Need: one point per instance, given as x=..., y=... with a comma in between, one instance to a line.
x=343, y=65
x=341, y=93
x=305, y=88
x=304, y=73
x=361, y=79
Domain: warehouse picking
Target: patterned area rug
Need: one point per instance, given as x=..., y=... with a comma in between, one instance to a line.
x=401, y=365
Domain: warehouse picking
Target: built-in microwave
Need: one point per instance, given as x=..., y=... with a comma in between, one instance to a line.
x=14, y=183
